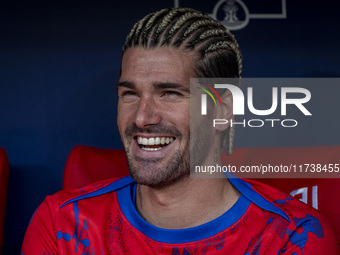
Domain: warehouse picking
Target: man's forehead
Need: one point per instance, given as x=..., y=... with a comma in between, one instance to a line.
x=157, y=52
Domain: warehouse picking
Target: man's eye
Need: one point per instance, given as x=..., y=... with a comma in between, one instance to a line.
x=171, y=93
x=128, y=93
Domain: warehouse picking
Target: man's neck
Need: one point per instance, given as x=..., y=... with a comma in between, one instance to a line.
x=187, y=203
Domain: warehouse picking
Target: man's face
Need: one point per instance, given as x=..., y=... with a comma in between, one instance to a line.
x=153, y=113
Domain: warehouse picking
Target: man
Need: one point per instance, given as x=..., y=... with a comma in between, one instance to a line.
x=161, y=210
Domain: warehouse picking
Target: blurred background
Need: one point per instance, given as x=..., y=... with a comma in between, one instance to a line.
x=60, y=61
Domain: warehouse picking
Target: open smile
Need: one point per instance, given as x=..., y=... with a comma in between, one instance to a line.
x=153, y=143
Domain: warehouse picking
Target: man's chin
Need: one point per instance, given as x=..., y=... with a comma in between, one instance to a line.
x=161, y=184
x=159, y=172
x=156, y=177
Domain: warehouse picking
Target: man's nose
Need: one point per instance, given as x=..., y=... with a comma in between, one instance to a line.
x=148, y=113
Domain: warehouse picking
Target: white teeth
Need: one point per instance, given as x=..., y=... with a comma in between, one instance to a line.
x=151, y=149
x=157, y=141
x=154, y=140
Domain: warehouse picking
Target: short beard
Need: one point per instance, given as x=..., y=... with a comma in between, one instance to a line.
x=176, y=169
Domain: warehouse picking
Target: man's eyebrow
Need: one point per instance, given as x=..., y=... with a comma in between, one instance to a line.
x=170, y=85
x=126, y=84
x=159, y=85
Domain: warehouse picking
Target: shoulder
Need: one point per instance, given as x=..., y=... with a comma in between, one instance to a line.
x=93, y=190
x=292, y=207
x=41, y=234
x=53, y=203
x=308, y=231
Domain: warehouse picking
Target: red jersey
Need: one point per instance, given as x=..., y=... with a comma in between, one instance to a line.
x=102, y=219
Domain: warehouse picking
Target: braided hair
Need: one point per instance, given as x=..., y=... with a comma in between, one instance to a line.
x=217, y=50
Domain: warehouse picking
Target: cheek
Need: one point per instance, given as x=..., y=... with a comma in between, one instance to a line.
x=121, y=118
x=182, y=117
x=125, y=116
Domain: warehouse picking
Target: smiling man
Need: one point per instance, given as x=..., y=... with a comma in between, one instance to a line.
x=159, y=209
x=153, y=113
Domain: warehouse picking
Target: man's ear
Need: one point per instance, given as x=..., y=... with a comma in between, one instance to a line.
x=225, y=111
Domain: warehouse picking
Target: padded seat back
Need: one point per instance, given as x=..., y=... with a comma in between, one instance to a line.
x=89, y=164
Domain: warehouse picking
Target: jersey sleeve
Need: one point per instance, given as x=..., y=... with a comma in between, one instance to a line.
x=311, y=235
x=41, y=237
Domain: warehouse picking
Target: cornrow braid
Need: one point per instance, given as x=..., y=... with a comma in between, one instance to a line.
x=228, y=45
x=187, y=29
x=184, y=18
x=172, y=12
x=215, y=33
x=200, y=23
x=212, y=32
x=133, y=36
x=150, y=22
